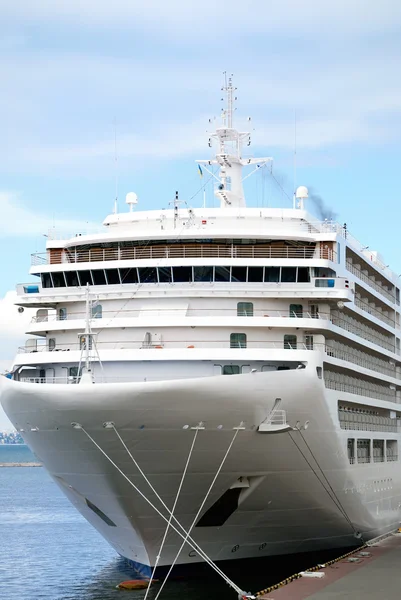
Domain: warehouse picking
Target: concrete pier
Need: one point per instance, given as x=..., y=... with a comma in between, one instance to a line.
x=24, y=464
x=370, y=573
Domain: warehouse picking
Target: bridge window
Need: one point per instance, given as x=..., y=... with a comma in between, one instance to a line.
x=288, y=274
x=164, y=274
x=46, y=280
x=182, y=274
x=99, y=277
x=147, y=275
x=113, y=278
x=58, y=279
x=255, y=274
x=71, y=278
x=290, y=342
x=203, y=274
x=272, y=274
x=129, y=275
x=85, y=277
x=245, y=309
x=231, y=370
x=222, y=273
x=303, y=275
x=238, y=340
x=238, y=274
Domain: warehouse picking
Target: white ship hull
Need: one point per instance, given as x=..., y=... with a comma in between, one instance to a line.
x=290, y=505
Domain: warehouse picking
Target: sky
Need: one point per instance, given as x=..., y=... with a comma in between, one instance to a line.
x=83, y=78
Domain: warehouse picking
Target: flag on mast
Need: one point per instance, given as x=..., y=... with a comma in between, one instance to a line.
x=200, y=171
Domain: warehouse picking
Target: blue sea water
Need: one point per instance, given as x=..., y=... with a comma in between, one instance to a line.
x=49, y=552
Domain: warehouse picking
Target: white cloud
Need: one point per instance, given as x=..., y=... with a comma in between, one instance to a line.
x=18, y=220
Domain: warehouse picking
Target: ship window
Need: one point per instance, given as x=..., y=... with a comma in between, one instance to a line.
x=351, y=450
x=182, y=274
x=203, y=274
x=296, y=310
x=222, y=273
x=255, y=274
x=147, y=275
x=309, y=342
x=290, y=342
x=62, y=314
x=85, y=277
x=71, y=278
x=363, y=451
x=99, y=278
x=272, y=274
x=231, y=370
x=46, y=280
x=288, y=274
x=97, y=311
x=112, y=276
x=245, y=309
x=164, y=274
x=58, y=279
x=52, y=344
x=238, y=340
x=303, y=275
x=238, y=273
x=329, y=283
x=129, y=275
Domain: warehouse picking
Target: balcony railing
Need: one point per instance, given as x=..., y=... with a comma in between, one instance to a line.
x=343, y=352
x=374, y=312
x=363, y=277
x=345, y=321
x=75, y=255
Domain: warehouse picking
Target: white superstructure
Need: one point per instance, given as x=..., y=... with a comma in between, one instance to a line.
x=259, y=323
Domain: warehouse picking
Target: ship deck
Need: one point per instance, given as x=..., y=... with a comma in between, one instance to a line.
x=355, y=576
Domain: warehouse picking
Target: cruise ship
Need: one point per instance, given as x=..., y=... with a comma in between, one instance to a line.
x=215, y=383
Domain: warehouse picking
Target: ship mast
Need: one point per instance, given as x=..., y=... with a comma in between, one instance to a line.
x=229, y=189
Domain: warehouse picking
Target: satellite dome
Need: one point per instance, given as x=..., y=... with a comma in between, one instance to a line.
x=302, y=192
x=131, y=198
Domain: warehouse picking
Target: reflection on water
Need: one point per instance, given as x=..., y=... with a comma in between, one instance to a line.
x=49, y=552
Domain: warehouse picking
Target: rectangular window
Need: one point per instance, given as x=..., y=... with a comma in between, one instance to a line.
x=363, y=451
x=303, y=275
x=99, y=277
x=113, y=277
x=203, y=274
x=328, y=283
x=52, y=344
x=338, y=253
x=182, y=274
x=238, y=274
x=290, y=342
x=238, y=340
x=62, y=314
x=58, y=279
x=46, y=280
x=245, y=309
x=222, y=273
x=296, y=310
x=97, y=311
x=309, y=342
x=71, y=279
x=164, y=274
x=129, y=275
x=231, y=370
x=288, y=274
x=147, y=274
x=255, y=274
x=351, y=450
x=314, y=311
x=85, y=277
x=272, y=274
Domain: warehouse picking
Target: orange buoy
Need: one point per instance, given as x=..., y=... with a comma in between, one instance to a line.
x=133, y=584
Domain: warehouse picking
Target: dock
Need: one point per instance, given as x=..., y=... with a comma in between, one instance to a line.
x=23, y=464
x=370, y=573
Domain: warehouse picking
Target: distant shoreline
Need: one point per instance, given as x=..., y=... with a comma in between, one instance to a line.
x=21, y=464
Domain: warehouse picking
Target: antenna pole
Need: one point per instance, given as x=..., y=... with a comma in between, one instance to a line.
x=87, y=332
x=115, y=167
x=295, y=157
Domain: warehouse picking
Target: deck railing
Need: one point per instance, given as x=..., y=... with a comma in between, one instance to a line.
x=366, y=279
x=75, y=255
